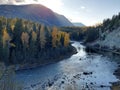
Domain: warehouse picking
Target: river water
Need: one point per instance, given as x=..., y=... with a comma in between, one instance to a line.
x=82, y=71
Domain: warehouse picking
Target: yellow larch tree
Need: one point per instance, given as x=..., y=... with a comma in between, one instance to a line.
x=66, y=39
x=54, y=37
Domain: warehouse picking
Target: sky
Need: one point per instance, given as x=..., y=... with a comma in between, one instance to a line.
x=88, y=12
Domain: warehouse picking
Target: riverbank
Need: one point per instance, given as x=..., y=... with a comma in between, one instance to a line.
x=116, y=85
x=105, y=50
x=46, y=62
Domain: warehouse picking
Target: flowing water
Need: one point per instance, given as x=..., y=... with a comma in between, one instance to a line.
x=82, y=71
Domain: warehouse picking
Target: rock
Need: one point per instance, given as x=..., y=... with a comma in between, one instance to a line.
x=50, y=83
x=87, y=73
x=87, y=85
x=62, y=82
x=77, y=76
x=117, y=72
x=115, y=83
x=119, y=66
x=101, y=86
x=33, y=85
x=91, y=83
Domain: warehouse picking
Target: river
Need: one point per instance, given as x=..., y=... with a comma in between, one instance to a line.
x=82, y=71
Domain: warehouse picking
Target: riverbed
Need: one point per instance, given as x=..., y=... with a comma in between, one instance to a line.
x=81, y=71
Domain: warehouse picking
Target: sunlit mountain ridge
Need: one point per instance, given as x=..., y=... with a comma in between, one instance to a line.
x=34, y=12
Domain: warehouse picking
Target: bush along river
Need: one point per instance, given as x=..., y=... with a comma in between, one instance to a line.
x=82, y=71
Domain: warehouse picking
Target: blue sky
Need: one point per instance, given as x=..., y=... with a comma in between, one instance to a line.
x=89, y=12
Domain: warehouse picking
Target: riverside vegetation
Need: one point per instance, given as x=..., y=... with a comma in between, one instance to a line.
x=93, y=33
x=25, y=42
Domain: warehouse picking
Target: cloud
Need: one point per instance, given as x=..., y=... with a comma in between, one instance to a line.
x=55, y=5
x=44, y=2
x=7, y=1
x=82, y=7
x=17, y=1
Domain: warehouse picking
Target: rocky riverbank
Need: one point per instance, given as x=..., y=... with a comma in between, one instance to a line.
x=116, y=85
x=115, y=52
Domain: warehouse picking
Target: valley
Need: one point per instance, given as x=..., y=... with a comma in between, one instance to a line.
x=41, y=49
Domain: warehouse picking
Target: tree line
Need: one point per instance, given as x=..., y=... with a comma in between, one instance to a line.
x=23, y=41
x=91, y=33
x=85, y=34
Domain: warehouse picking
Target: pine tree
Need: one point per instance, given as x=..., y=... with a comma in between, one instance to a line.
x=17, y=34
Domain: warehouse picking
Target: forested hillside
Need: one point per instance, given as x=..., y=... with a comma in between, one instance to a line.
x=26, y=42
x=99, y=32
x=109, y=33
x=85, y=34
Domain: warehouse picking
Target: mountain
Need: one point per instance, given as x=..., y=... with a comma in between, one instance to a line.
x=78, y=24
x=34, y=12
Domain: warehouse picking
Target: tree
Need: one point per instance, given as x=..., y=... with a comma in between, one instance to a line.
x=25, y=42
x=48, y=37
x=34, y=36
x=6, y=38
x=25, y=39
x=32, y=44
x=18, y=29
x=66, y=39
x=5, y=41
x=54, y=37
x=1, y=45
x=59, y=35
x=42, y=37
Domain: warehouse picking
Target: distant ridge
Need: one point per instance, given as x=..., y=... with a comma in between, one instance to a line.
x=34, y=12
x=78, y=24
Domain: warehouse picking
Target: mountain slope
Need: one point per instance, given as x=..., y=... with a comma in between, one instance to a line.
x=110, y=33
x=78, y=24
x=34, y=12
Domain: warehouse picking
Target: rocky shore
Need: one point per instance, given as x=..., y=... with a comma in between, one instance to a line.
x=116, y=85
x=107, y=51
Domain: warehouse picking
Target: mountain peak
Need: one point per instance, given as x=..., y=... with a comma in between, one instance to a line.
x=34, y=12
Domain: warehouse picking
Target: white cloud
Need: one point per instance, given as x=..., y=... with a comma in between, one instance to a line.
x=55, y=5
x=7, y=1
x=82, y=7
